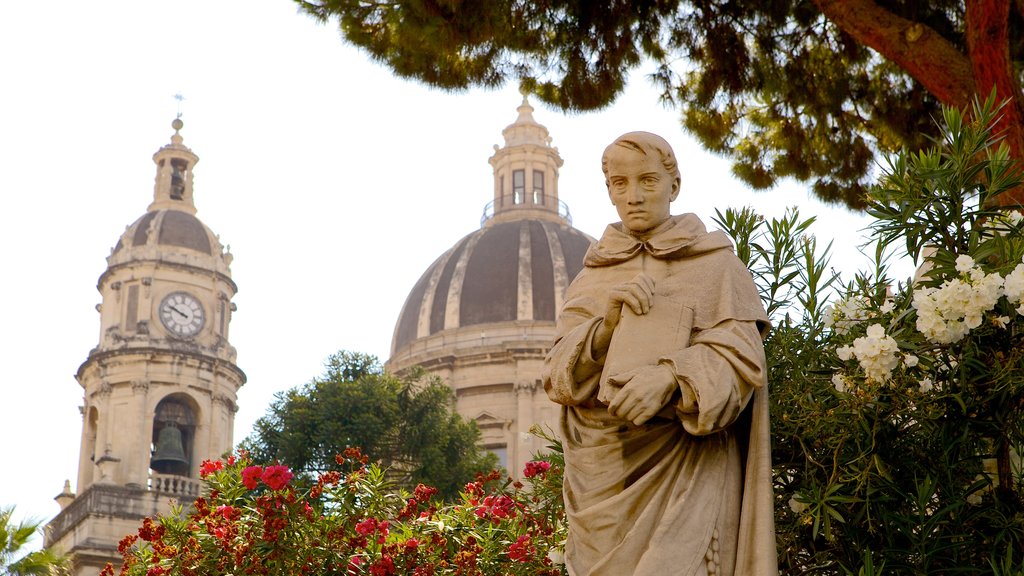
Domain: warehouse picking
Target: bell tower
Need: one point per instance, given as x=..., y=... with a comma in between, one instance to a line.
x=161, y=385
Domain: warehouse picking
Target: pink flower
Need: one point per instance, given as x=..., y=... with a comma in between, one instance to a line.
x=276, y=477
x=251, y=477
x=535, y=468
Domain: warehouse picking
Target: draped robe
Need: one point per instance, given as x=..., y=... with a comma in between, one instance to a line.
x=690, y=491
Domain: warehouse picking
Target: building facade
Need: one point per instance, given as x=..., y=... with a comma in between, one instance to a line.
x=482, y=316
x=160, y=387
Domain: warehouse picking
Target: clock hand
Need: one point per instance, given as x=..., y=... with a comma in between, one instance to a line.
x=180, y=313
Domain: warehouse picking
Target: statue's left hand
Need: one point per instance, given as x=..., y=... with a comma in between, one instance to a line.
x=645, y=391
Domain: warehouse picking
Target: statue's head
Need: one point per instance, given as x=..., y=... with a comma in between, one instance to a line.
x=642, y=176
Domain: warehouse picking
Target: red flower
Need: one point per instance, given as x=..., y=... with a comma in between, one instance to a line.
x=149, y=531
x=536, y=467
x=521, y=549
x=209, y=467
x=228, y=512
x=276, y=477
x=423, y=493
x=367, y=527
x=251, y=477
x=383, y=567
x=496, y=507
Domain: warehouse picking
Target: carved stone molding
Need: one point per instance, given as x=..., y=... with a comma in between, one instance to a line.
x=104, y=390
x=527, y=387
x=226, y=401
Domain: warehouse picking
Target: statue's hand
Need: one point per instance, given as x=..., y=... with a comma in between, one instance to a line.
x=638, y=293
x=645, y=391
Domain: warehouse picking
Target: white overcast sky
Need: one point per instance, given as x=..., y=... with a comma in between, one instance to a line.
x=334, y=183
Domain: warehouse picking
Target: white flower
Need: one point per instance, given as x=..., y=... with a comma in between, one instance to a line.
x=909, y=360
x=845, y=314
x=964, y=263
x=947, y=313
x=886, y=307
x=556, y=556
x=839, y=381
x=974, y=498
x=876, y=353
x=925, y=385
x=797, y=506
x=844, y=352
x=1013, y=284
x=1002, y=321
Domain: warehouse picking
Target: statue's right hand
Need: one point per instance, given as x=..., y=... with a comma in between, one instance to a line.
x=637, y=293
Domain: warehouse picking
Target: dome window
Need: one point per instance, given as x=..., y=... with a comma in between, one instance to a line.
x=538, y=187
x=518, y=186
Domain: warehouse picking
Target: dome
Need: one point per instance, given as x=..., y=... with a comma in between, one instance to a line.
x=168, y=228
x=169, y=231
x=482, y=316
x=508, y=272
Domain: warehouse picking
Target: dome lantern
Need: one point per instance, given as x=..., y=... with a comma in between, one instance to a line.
x=525, y=174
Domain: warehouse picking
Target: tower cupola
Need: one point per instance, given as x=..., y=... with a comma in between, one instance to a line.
x=526, y=174
x=173, y=188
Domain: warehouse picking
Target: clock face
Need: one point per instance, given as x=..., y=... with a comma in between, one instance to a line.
x=182, y=314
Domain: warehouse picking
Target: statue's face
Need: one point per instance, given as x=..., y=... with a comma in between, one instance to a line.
x=640, y=188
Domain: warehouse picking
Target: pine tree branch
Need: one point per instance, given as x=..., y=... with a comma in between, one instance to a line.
x=928, y=57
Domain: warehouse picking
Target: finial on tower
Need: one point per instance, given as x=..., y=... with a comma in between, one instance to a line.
x=180, y=99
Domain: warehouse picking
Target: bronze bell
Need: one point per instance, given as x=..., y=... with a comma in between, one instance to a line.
x=169, y=454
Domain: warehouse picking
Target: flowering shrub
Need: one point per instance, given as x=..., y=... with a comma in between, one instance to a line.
x=898, y=409
x=351, y=521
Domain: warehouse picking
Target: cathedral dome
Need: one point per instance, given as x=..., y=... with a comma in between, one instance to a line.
x=482, y=316
x=513, y=271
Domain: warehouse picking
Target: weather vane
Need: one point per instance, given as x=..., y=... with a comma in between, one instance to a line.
x=179, y=98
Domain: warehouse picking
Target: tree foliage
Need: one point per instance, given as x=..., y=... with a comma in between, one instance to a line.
x=405, y=423
x=809, y=89
x=15, y=560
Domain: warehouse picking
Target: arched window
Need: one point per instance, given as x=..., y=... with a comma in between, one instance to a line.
x=174, y=428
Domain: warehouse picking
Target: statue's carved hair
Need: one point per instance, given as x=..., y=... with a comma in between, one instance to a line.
x=646, y=144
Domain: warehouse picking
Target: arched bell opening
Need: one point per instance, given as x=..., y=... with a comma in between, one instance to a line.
x=174, y=429
x=92, y=419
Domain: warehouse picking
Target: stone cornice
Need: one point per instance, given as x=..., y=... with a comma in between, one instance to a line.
x=187, y=267
x=152, y=351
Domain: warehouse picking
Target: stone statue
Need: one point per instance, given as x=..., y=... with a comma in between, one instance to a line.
x=660, y=369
